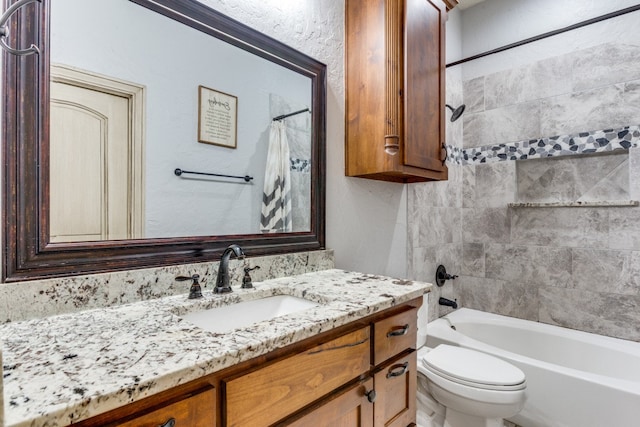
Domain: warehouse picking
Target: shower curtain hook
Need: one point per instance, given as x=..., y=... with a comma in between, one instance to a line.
x=4, y=31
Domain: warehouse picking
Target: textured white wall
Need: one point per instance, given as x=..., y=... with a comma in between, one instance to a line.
x=366, y=220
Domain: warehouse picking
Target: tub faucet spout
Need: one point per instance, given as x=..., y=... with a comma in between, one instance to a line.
x=448, y=303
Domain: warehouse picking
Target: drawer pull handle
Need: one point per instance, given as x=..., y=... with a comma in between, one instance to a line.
x=398, y=370
x=171, y=422
x=371, y=395
x=399, y=332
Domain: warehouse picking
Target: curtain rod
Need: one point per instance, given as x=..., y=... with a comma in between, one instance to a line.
x=548, y=34
x=284, y=116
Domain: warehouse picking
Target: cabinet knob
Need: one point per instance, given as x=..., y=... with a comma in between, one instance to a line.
x=371, y=395
x=399, y=332
x=171, y=422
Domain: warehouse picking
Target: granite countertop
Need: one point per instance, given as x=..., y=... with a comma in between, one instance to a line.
x=66, y=368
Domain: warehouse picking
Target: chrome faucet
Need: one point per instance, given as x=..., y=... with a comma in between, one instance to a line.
x=222, y=283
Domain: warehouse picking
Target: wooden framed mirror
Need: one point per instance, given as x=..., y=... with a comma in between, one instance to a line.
x=31, y=250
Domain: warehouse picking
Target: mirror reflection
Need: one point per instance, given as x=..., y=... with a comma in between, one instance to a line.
x=135, y=95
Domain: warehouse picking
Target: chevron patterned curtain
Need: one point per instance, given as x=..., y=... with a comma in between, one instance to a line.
x=276, y=198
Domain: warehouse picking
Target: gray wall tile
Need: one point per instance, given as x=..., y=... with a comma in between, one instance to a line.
x=486, y=225
x=495, y=184
x=601, y=313
x=606, y=271
x=607, y=107
x=599, y=177
x=473, y=93
x=530, y=265
x=469, y=186
x=506, y=124
x=438, y=226
x=606, y=186
x=499, y=296
x=624, y=228
x=604, y=65
x=560, y=227
x=473, y=263
x=631, y=101
x=542, y=79
x=634, y=173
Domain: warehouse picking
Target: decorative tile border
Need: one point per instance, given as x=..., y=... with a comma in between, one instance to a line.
x=300, y=165
x=599, y=141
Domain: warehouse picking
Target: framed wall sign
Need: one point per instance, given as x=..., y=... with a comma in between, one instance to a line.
x=217, y=117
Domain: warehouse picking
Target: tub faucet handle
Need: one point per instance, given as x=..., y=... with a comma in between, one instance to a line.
x=442, y=275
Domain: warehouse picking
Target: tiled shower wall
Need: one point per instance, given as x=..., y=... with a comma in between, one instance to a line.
x=435, y=216
x=574, y=267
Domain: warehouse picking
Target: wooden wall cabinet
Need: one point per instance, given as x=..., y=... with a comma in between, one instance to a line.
x=362, y=374
x=395, y=88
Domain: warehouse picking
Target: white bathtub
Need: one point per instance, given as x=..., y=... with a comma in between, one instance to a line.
x=574, y=379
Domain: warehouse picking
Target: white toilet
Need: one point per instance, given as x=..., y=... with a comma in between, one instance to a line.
x=459, y=387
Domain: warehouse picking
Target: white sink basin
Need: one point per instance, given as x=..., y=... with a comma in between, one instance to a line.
x=229, y=317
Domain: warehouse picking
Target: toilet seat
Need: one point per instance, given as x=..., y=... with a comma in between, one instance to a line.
x=473, y=369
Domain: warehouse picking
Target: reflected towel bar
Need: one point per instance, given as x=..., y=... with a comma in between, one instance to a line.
x=179, y=172
x=284, y=116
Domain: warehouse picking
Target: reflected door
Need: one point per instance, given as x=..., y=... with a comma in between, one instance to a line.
x=92, y=166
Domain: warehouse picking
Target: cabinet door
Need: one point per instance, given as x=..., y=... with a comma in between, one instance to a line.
x=348, y=409
x=424, y=83
x=395, y=387
x=273, y=392
x=195, y=411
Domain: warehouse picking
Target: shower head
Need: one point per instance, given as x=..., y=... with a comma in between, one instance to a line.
x=456, y=112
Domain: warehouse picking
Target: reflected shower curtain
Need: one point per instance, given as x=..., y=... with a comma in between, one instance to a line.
x=276, y=198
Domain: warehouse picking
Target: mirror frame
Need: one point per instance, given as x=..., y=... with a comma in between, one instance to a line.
x=27, y=252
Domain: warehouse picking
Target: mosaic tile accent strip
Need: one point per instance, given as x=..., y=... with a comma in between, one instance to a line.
x=300, y=165
x=599, y=141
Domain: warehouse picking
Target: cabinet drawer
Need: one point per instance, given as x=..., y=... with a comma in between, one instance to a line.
x=269, y=394
x=396, y=386
x=395, y=334
x=195, y=411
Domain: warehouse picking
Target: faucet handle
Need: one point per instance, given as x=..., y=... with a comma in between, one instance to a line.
x=193, y=277
x=246, y=280
x=196, y=290
x=442, y=275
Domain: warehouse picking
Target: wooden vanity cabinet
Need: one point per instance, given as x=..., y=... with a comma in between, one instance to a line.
x=395, y=88
x=362, y=374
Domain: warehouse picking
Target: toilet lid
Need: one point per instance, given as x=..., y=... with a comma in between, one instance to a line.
x=470, y=366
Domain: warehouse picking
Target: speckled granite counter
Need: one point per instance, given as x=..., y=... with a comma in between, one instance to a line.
x=66, y=368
